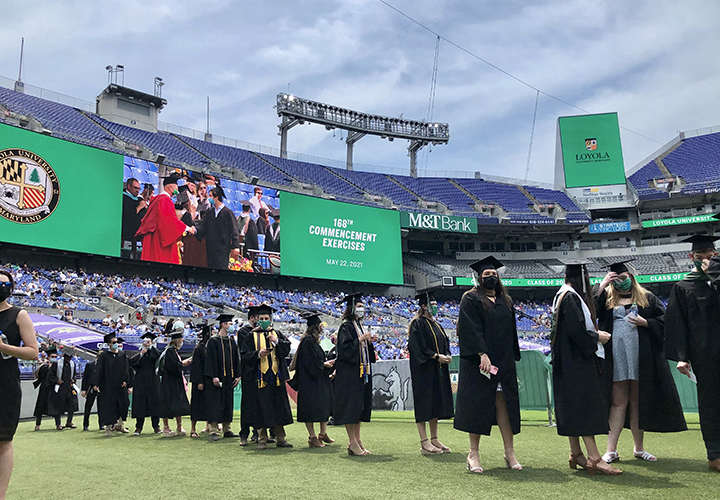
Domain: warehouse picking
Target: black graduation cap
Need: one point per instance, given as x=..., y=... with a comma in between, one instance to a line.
x=265, y=309
x=171, y=179
x=175, y=336
x=224, y=318
x=252, y=311
x=205, y=331
x=574, y=267
x=51, y=350
x=489, y=262
x=619, y=267
x=246, y=205
x=275, y=213
x=109, y=337
x=701, y=242
x=424, y=298
x=357, y=297
x=149, y=335
x=312, y=318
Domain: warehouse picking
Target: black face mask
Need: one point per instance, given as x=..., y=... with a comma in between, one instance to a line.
x=5, y=292
x=490, y=282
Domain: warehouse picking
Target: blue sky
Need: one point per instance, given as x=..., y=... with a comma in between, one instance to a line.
x=654, y=62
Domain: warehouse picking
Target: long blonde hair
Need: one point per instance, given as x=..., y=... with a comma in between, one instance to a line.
x=638, y=294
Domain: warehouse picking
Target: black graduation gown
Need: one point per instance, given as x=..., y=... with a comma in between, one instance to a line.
x=692, y=334
x=268, y=406
x=110, y=373
x=331, y=354
x=493, y=332
x=198, y=411
x=221, y=235
x=41, y=381
x=314, y=398
x=173, y=400
x=131, y=217
x=432, y=392
x=581, y=406
x=146, y=385
x=87, y=376
x=272, y=238
x=65, y=400
x=659, y=403
x=251, y=238
x=221, y=361
x=10, y=387
x=353, y=395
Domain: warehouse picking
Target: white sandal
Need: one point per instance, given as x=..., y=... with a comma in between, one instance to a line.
x=644, y=455
x=611, y=456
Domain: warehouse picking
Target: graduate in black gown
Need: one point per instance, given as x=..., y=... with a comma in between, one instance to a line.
x=41, y=383
x=430, y=359
x=264, y=354
x=314, y=396
x=89, y=393
x=146, y=385
x=173, y=386
x=272, y=234
x=17, y=341
x=198, y=407
x=219, y=229
x=247, y=374
x=222, y=375
x=641, y=390
x=692, y=336
x=63, y=391
x=353, y=375
x=581, y=406
x=487, y=382
x=112, y=380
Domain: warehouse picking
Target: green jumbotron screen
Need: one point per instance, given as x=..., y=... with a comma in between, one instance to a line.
x=58, y=194
x=339, y=241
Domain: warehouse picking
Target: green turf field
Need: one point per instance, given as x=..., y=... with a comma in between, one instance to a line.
x=73, y=464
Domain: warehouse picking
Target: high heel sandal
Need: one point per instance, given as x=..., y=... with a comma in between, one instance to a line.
x=325, y=438
x=425, y=451
x=515, y=466
x=475, y=469
x=367, y=452
x=314, y=442
x=356, y=453
x=575, y=461
x=606, y=469
x=442, y=447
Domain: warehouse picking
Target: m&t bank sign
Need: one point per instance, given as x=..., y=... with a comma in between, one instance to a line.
x=437, y=222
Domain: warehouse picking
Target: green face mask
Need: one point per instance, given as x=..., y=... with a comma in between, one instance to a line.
x=264, y=324
x=175, y=192
x=434, y=310
x=698, y=265
x=623, y=285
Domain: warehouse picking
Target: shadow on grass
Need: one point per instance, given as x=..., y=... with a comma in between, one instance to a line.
x=528, y=475
x=373, y=459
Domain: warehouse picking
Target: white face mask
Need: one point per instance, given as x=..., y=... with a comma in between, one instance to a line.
x=359, y=312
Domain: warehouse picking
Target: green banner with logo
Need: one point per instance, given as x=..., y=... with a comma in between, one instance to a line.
x=591, y=150
x=58, y=194
x=555, y=282
x=437, y=222
x=679, y=220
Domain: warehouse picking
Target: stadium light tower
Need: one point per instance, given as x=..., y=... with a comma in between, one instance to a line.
x=295, y=110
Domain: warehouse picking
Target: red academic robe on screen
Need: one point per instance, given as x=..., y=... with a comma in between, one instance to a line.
x=160, y=231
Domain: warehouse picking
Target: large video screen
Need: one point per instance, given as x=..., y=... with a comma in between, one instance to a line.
x=591, y=150
x=341, y=241
x=58, y=194
x=61, y=195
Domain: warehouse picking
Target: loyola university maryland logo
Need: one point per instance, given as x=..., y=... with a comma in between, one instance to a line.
x=591, y=144
x=29, y=187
